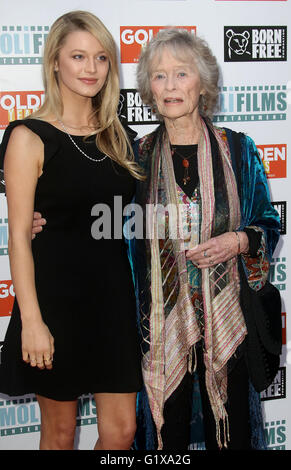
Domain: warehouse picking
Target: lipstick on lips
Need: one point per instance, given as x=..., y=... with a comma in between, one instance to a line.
x=89, y=81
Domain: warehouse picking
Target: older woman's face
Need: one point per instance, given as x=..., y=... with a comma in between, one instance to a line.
x=175, y=85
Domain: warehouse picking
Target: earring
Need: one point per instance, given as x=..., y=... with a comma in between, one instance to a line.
x=204, y=106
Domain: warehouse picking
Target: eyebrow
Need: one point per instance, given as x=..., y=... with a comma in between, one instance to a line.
x=158, y=69
x=83, y=50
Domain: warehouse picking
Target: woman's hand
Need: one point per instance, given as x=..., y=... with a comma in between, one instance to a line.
x=37, y=223
x=37, y=344
x=218, y=249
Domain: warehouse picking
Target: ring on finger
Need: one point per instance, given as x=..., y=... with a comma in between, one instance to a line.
x=205, y=254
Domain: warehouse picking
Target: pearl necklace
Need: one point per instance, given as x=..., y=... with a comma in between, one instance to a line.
x=80, y=150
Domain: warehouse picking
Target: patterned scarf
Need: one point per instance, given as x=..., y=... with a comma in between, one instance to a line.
x=172, y=337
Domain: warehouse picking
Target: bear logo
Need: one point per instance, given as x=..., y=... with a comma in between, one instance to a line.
x=237, y=42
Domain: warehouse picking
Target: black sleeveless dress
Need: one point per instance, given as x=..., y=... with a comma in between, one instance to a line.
x=84, y=284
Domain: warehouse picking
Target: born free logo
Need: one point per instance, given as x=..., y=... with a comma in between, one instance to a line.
x=255, y=43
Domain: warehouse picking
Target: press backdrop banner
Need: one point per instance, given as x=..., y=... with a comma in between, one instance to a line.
x=251, y=42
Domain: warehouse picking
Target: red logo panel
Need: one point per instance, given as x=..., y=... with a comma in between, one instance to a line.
x=132, y=38
x=274, y=158
x=7, y=296
x=18, y=105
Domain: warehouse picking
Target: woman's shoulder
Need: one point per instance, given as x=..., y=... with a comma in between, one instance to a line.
x=230, y=136
x=28, y=127
x=142, y=148
x=147, y=141
x=226, y=132
x=240, y=143
x=21, y=129
x=31, y=132
x=245, y=140
x=23, y=140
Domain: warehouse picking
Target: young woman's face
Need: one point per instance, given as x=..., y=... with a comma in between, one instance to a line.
x=82, y=65
x=175, y=85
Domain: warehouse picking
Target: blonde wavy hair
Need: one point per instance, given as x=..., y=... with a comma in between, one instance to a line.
x=111, y=138
x=183, y=45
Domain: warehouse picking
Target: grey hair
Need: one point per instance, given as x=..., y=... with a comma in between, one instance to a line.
x=182, y=44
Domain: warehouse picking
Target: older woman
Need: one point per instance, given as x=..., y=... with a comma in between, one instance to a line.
x=190, y=314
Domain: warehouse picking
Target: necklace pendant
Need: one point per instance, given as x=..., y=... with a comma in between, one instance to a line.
x=186, y=179
x=185, y=163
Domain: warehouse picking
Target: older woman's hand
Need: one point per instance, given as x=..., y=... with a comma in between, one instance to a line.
x=218, y=249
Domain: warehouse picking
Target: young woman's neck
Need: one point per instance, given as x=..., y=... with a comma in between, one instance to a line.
x=77, y=112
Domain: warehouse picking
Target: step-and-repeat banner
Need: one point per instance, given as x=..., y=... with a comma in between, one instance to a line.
x=250, y=41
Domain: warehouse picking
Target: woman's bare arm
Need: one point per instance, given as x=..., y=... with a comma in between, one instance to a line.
x=22, y=167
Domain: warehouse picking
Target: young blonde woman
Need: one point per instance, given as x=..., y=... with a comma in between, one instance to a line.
x=73, y=326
